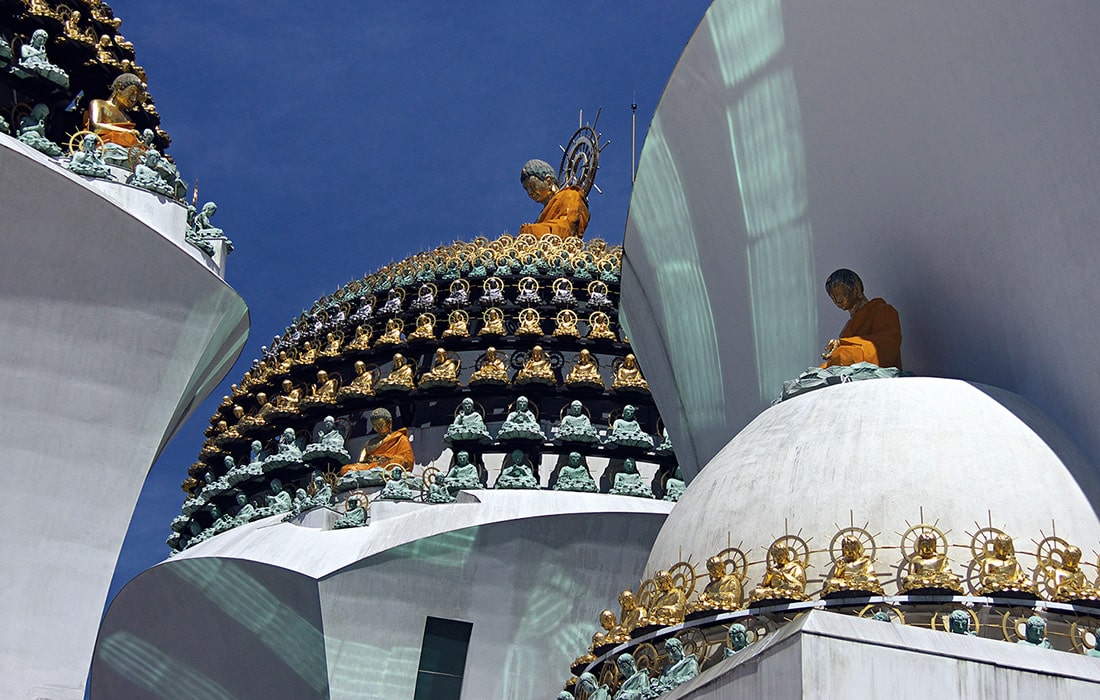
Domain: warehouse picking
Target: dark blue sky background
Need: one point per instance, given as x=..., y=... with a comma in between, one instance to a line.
x=338, y=136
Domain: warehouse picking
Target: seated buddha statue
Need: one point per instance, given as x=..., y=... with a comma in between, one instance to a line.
x=492, y=370
x=492, y=322
x=599, y=327
x=354, y=516
x=528, y=286
x=308, y=354
x=287, y=402
x=563, y=293
x=396, y=488
x=458, y=325
x=628, y=377
x=612, y=634
x=574, y=476
x=1000, y=572
x=33, y=60
x=853, y=571
x=361, y=341
x=516, y=474
x=629, y=482
x=425, y=328
x=246, y=512
x=537, y=369
x=521, y=423
x=626, y=432
x=929, y=569
x=324, y=390
x=389, y=446
x=565, y=211
x=631, y=614
x=444, y=371
x=592, y=689
x=467, y=426
x=393, y=334
x=329, y=444
x=585, y=372
x=1035, y=633
x=147, y=176
x=402, y=376
x=565, y=324
x=724, y=591
x=288, y=453
x=361, y=385
x=332, y=345
x=675, y=486
x=1065, y=579
x=87, y=160
x=636, y=683
x=463, y=474
x=278, y=502
x=32, y=131
x=784, y=579
x=575, y=426
x=669, y=601
x=680, y=668
x=530, y=323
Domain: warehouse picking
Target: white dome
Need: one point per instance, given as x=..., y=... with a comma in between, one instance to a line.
x=876, y=453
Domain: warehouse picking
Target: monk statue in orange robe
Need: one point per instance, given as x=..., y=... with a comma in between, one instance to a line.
x=564, y=212
x=872, y=334
x=389, y=446
x=109, y=118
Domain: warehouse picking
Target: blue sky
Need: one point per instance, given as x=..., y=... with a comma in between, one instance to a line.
x=338, y=136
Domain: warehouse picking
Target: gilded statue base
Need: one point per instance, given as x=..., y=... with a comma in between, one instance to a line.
x=775, y=596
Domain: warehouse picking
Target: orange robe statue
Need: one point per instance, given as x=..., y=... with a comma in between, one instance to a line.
x=394, y=448
x=872, y=335
x=565, y=215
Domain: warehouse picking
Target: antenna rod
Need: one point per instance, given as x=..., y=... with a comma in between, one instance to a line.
x=633, y=136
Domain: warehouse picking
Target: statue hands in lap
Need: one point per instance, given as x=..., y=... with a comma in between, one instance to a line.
x=629, y=482
x=574, y=476
x=575, y=426
x=521, y=423
x=467, y=425
x=463, y=475
x=873, y=331
x=565, y=211
x=516, y=474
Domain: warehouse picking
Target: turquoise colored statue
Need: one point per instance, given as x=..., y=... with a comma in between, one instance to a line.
x=246, y=512
x=147, y=177
x=675, y=486
x=32, y=131
x=625, y=431
x=736, y=639
x=574, y=476
x=439, y=493
x=396, y=488
x=33, y=61
x=354, y=516
x=329, y=445
x=254, y=467
x=278, y=502
x=576, y=427
x=521, y=424
x=87, y=161
x=1035, y=633
x=680, y=669
x=4, y=125
x=203, y=229
x=959, y=622
x=302, y=502
x=467, y=426
x=587, y=683
x=516, y=474
x=289, y=453
x=463, y=474
x=361, y=478
x=881, y=616
x=636, y=685
x=665, y=448
x=322, y=493
x=629, y=482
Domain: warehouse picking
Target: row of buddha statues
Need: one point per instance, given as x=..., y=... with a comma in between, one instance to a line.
x=494, y=291
x=93, y=32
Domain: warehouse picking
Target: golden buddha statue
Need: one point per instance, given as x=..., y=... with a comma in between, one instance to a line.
x=444, y=371
x=332, y=344
x=402, y=376
x=565, y=324
x=669, y=602
x=458, y=325
x=628, y=377
x=308, y=354
x=425, y=328
x=392, y=336
x=585, y=372
x=288, y=401
x=324, y=391
x=493, y=369
x=725, y=591
x=530, y=323
x=258, y=416
x=109, y=119
x=785, y=577
x=492, y=322
x=285, y=363
x=361, y=341
x=362, y=384
x=599, y=327
x=613, y=633
x=853, y=571
x=999, y=571
x=631, y=614
x=537, y=369
x=928, y=568
x=1064, y=581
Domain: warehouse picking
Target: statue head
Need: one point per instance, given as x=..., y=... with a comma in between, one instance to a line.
x=276, y=486
x=926, y=544
x=1071, y=557
x=536, y=352
x=845, y=288
x=630, y=361
x=490, y=353
x=467, y=405
x=40, y=111
x=626, y=665
x=256, y=447
x=360, y=366
x=663, y=580
x=675, y=649
x=89, y=144
x=628, y=412
x=328, y=423
x=353, y=503
x=574, y=459
x=230, y=463
x=851, y=547
x=716, y=568
x=463, y=458
x=287, y=386
x=521, y=403
x=587, y=683
x=398, y=360
x=322, y=376
x=38, y=38
x=959, y=622
x=440, y=354
x=288, y=435
x=209, y=208
x=607, y=619
x=881, y=616
x=1035, y=629
x=575, y=408
x=517, y=456
x=241, y=499
x=382, y=421
x=397, y=474
x=539, y=180
x=127, y=90
x=780, y=553
x=208, y=478
x=738, y=636
x=1002, y=546
x=627, y=601
x=629, y=467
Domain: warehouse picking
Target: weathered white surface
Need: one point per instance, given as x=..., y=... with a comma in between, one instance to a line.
x=826, y=655
x=882, y=450
x=112, y=332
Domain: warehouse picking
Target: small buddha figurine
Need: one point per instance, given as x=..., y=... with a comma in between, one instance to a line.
x=574, y=476
x=1066, y=581
x=329, y=445
x=528, y=288
x=87, y=160
x=680, y=668
x=467, y=426
x=396, y=489
x=361, y=341
x=493, y=289
x=597, y=295
x=636, y=685
x=425, y=328
x=332, y=345
x=288, y=401
x=629, y=482
x=626, y=432
x=32, y=131
x=737, y=639
x=278, y=502
x=599, y=327
x=530, y=323
x=575, y=426
x=425, y=297
x=288, y=453
x=33, y=60
x=516, y=474
x=361, y=385
x=853, y=571
x=463, y=475
x=563, y=293
x=628, y=377
x=669, y=601
x=492, y=322
x=585, y=372
x=460, y=294
x=724, y=591
x=928, y=568
x=147, y=177
x=588, y=684
x=565, y=324
x=444, y=371
x=246, y=512
x=612, y=633
x=308, y=354
x=631, y=614
x=458, y=325
x=675, y=486
x=785, y=577
x=521, y=423
x=401, y=376
x=958, y=622
x=324, y=391
x=537, y=369
x=354, y=516
x=1035, y=633
x=394, y=300
x=393, y=334
x=1000, y=572
x=254, y=467
x=492, y=370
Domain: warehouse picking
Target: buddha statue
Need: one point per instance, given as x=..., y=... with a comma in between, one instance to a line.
x=361, y=341
x=425, y=297
x=725, y=590
x=324, y=391
x=308, y=354
x=1035, y=633
x=516, y=474
x=401, y=377
x=680, y=668
x=675, y=486
x=393, y=334
x=87, y=160
x=929, y=569
x=355, y=515
x=1000, y=572
x=528, y=287
x=170, y=173
x=362, y=385
x=565, y=324
x=396, y=296
x=853, y=571
x=284, y=364
x=521, y=423
x=588, y=685
x=563, y=293
x=958, y=622
x=246, y=512
x=33, y=61
x=287, y=402
x=463, y=474
x=493, y=290
x=425, y=328
x=631, y=614
x=585, y=372
x=492, y=322
x=459, y=294
x=492, y=369
x=458, y=325
x=628, y=377
x=530, y=323
x=444, y=371
x=629, y=482
x=254, y=467
x=636, y=683
x=574, y=476
x=737, y=639
x=785, y=577
x=873, y=331
x=575, y=426
x=439, y=493
x=612, y=634
x=389, y=446
x=565, y=210
x=32, y=131
x=626, y=432
x=467, y=426
x=599, y=327
x=148, y=177
x=396, y=488
x=289, y=453
x=333, y=342
x=329, y=445
x=1065, y=580
x=664, y=449
x=597, y=295
x=669, y=601
x=536, y=370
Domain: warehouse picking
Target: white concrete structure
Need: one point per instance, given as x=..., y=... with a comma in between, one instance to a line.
x=114, y=330
x=274, y=609
x=826, y=655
